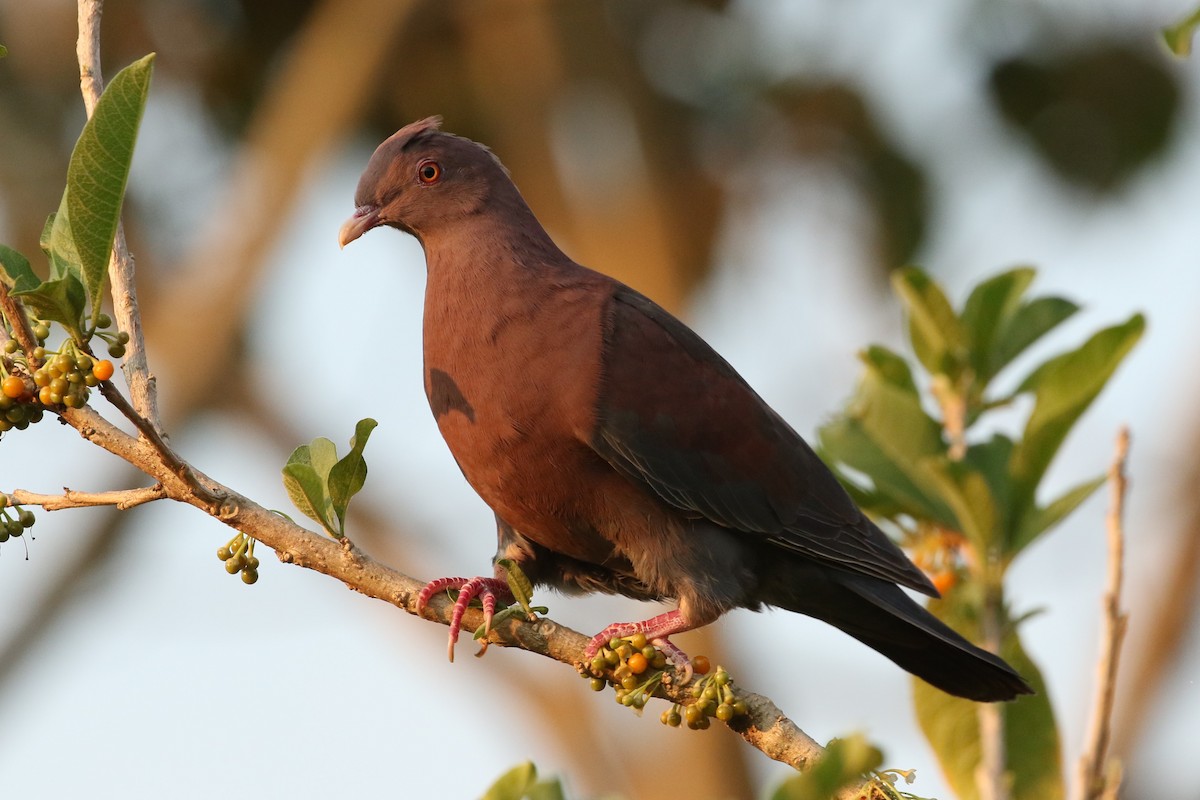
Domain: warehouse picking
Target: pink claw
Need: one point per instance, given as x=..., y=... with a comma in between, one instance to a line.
x=656, y=629
x=486, y=589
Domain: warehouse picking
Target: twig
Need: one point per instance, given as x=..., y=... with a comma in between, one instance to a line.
x=991, y=777
x=15, y=314
x=1095, y=778
x=123, y=499
x=142, y=386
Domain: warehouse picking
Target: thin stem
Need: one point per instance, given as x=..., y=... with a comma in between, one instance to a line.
x=123, y=499
x=142, y=386
x=1095, y=779
x=991, y=776
x=14, y=312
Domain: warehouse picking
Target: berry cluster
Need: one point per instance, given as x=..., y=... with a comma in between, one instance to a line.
x=13, y=519
x=33, y=382
x=941, y=554
x=238, y=555
x=714, y=696
x=637, y=669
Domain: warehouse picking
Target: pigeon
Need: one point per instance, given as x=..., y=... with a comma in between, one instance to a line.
x=620, y=453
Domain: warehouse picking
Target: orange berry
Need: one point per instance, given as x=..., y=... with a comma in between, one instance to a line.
x=700, y=665
x=637, y=663
x=944, y=581
x=103, y=370
x=13, y=387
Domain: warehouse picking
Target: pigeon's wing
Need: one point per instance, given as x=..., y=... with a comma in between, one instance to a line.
x=673, y=415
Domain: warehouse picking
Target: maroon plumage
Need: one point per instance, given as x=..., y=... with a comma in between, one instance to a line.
x=618, y=450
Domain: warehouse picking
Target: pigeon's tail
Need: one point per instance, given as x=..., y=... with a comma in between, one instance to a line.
x=880, y=615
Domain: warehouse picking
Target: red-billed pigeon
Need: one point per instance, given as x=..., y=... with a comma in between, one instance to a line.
x=619, y=452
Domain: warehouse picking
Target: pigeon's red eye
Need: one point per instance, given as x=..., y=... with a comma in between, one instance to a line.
x=429, y=172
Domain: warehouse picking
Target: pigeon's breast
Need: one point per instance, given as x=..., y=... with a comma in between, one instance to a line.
x=512, y=387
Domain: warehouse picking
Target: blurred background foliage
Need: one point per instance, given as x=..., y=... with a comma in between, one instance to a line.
x=651, y=139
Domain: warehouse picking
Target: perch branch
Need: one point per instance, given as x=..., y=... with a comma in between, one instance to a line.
x=123, y=499
x=766, y=727
x=1095, y=778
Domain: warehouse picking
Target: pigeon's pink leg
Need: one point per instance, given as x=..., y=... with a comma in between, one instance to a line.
x=656, y=629
x=488, y=590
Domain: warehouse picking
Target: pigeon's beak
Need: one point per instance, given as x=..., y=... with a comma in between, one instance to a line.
x=365, y=218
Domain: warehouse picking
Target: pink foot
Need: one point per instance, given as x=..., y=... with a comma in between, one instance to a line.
x=486, y=589
x=656, y=630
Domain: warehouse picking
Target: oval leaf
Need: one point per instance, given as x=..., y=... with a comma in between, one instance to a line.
x=936, y=332
x=99, y=170
x=1063, y=388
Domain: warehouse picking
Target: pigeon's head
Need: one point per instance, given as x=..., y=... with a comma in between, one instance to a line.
x=421, y=180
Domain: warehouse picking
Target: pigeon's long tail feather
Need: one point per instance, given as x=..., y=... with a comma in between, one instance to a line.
x=880, y=615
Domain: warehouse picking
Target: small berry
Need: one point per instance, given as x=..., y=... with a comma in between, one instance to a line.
x=249, y=576
x=231, y=566
x=12, y=386
x=122, y=337
x=724, y=712
x=223, y=553
x=41, y=331
x=10, y=346
x=116, y=350
x=26, y=518
x=637, y=663
x=103, y=320
x=701, y=665
x=103, y=370
x=598, y=684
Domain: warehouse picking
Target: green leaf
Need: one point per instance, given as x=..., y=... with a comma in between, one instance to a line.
x=306, y=477
x=18, y=275
x=951, y=724
x=59, y=245
x=988, y=306
x=936, y=332
x=890, y=366
x=347, y=476
x=518, y=583
x=99, y=170
x=1178, y=37
x=3, y=51
x=514, y=784
x=884, y=434
x=966, y=492
x=307, y=491
x=1063, y=388
x=846, y=761
x=1031, y=322
x=60, y=301
x=1038, y=520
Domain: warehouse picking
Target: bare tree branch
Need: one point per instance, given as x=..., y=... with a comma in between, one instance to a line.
x=1095, y=778
x=122, y=499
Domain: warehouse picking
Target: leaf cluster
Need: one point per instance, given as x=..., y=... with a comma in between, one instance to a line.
x=321, y=485
x=899, y=460
x=913, y=458
x=77, y=239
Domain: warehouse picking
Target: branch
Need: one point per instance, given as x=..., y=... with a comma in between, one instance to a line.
x=15, y=314
x=766, y=727
x=142, y=386
x=123, y=499
x=1097, y=779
